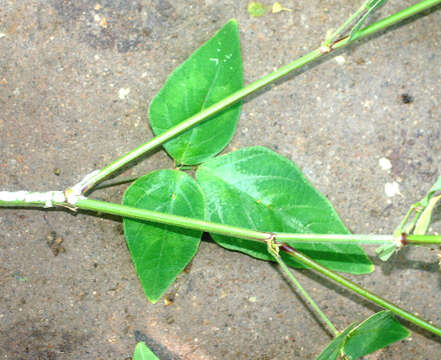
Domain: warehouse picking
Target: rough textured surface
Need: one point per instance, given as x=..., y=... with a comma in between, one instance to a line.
x=75, y=81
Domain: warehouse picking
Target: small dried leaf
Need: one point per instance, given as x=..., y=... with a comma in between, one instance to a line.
x=256, y=9
x=278, y=8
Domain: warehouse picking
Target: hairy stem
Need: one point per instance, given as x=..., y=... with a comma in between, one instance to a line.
x=251, y=88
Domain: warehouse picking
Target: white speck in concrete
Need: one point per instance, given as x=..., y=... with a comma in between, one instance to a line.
x=385, y=163
x=340, y=60
x=367, y=104
x=123, y=92
x=252, y=299
x=391, y=189
x=304, y=21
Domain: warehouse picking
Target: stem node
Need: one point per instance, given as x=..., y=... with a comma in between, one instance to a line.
x=403, y=239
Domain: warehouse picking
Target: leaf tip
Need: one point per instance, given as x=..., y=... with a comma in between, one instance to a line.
x=233, y=24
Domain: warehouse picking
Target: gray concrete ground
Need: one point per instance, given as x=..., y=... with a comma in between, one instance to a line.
x=62, y=66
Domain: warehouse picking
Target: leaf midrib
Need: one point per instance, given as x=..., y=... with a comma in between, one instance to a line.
x=195, y=129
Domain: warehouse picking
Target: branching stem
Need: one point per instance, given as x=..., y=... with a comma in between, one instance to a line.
x=251, y=88
x=189, y=223
x=73, y=198
x=305, y=260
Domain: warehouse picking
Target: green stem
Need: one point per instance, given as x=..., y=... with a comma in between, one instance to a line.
x=40, y=200
x=393, y=19
x=110, y=183
x=360, y=290
x=418, y=240
x=366, y=239
x=294, y=280
x=199, y=117
x=243, y=233
x=400, y=227
x=169, y=219
x=251, y=88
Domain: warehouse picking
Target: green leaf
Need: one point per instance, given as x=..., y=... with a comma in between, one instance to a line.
x=213, y=72
x=435, y=188
x=422, y=213
x=385, y=251
x=258, y=189
x=424, y=220
x=376, y=332
x=332, y=351
x=375, y=4
x=160, y=252
x=256, y=9
x=142, y=352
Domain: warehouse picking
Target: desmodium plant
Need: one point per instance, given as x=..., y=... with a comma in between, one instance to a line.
x=251, y=200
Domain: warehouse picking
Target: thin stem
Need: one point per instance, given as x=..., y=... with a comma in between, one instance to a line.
x=418, y=240
x=199, y=117
x=360, y=290
x=337, y=33
x=400, y=227
x=275, y=254
x=110, y=183
x=251, y=88
x=212, y=227
x=169, y=219
x=366, y=239
x=395, y=18
x=243, y=233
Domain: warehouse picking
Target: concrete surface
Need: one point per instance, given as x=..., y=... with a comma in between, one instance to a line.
x=62, y=66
